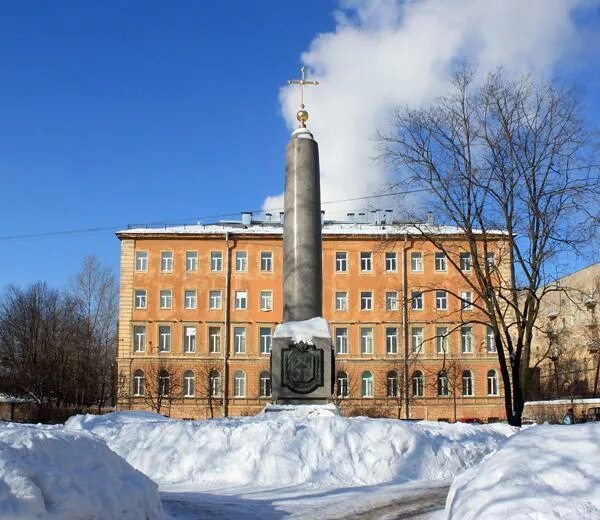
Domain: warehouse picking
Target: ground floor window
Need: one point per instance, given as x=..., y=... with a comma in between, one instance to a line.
x=239, y=384
x=342, y=384
x=392, y=384
x=467, y=383
x=367, y=384
x=265, y=384
x=139, y=383
x=442, y=384
x=492, y=382
x=189, y=384
x=418, y=384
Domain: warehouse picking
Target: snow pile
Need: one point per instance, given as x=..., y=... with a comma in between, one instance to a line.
x=548, y=472
x=47, y=472
x=281, y=449
x=303, y=330
x=310, y=410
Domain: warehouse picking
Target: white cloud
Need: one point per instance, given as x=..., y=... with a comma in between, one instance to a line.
x=385, y=53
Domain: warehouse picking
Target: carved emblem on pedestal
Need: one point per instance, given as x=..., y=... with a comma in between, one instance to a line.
x=302, y=367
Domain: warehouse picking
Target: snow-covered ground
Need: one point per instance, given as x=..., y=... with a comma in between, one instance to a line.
x=49, y=472
x=545, y=472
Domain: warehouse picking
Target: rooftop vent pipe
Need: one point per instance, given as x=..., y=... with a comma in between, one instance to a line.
x=246, y=218
x=281, y=217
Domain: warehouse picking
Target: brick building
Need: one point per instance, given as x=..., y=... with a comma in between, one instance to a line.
x=199, y=303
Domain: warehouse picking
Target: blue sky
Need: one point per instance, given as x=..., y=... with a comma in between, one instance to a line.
x=149, y=111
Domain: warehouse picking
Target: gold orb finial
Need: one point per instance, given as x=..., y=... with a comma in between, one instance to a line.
x=302, y=114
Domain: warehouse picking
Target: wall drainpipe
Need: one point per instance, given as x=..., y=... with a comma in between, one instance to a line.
x=405, y=329
x=225, y=385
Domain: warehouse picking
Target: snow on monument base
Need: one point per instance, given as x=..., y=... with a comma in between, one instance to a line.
x=302, y=363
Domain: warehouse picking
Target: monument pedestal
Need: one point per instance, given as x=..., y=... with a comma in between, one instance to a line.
x=302, y=363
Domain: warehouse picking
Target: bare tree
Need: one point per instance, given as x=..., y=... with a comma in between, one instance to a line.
x=162, y=383
x=510, y=156
x=208, y=380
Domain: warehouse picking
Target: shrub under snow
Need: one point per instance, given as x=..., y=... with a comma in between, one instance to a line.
x=545, y=472
x=48, y=472
x=282, y=449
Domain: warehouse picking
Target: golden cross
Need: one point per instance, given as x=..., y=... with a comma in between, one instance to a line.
x=302, y=82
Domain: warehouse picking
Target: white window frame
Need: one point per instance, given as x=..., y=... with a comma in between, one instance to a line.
x=391, y=340
x=239, y=384
x=139, y=383
x=141, y=261
x=189, y=345
x=166, y=299
x=341, y=379
x=367, y=387
x=416, y=262
x=214, y=381
x=490, y=258
x=490, y=340
x=366, y=300
x=441, y=340
x=392, y=388
x=241, y=261
x=466, y=300
x=187, y=386
x=266, y=261
x=492, y=384
x=443, y=384
x=341, y=340
x=265, y=340
x=440, y=262
x=465, y=261
x=216, y=261
x=341, y=301
x=418, y=384
x=239, y=340
x=166, y=261
x=265, y=384
x=391, y=301
x=470, y=384
x=417, y=300
x=366, y=262
x=367, y=340
x=164, y=338
x=215, y=299
x=417, y=338
x=214, y=340
x=191, y=261
x=441, y=300
x=266, y=300
x=190, y=299
x=391, y=262
x=241, y=300
x=341, y=262
x=139, y=338
x=466, y=340
x=140, y=297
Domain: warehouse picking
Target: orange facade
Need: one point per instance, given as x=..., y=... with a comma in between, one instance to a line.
x=200, y=304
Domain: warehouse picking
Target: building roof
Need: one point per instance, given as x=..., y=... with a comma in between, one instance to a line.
x=330, y=228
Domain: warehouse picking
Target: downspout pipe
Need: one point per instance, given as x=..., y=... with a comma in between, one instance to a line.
x=226, y=320
x=405, y=327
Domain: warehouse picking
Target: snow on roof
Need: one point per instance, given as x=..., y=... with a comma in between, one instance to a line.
x=303, y=330
x=328, y=229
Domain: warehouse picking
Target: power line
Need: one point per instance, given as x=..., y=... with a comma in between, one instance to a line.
x=81, y=231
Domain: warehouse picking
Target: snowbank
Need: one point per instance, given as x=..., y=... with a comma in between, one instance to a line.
x=548, y=472
x=281, y=449
x=303, y=330
x=47, y=472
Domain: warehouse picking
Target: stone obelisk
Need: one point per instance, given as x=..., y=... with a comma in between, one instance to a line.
x=302, y=356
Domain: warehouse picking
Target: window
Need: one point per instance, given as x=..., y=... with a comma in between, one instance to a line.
x=214, y=300
x=366, y=261
x=342, y=384
x=442, y=384
x=139, y=383
x=366, y=301
x=164, y=338
x=341, y=262
x=490, y=341
x=416, y=262
x=166, y=299
x=341, y=301
x=367, y=384
x=214, y=383
x=467, y=383
x=441, y=300
x=166, y=261
x=341, y=340
x=465, y=262
x=392, y=384
x=366, y=340
x=140, y=299
x=418, y=384
x=440, y=261
x=441, y=340
x=141, y=261
x=492, y=383
x=190, y=299
x=189, y=384
x=391, y=340
x=265, y=340
x=416, y=300
x=214, y=339
x=391, y=262
x=391, y=301
x=241, y=261
x=164, y=383
x=417, y=339
x=189, y=339
x=266, y=261
x=466, y=340
x=265, y=384
x=266, y=301
x=139, y=338
x=239, y=340
x=239, y=384
x=490, y=258
x=241, y=300
x=216, y=261
x=466, y=300
x=191, y=261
